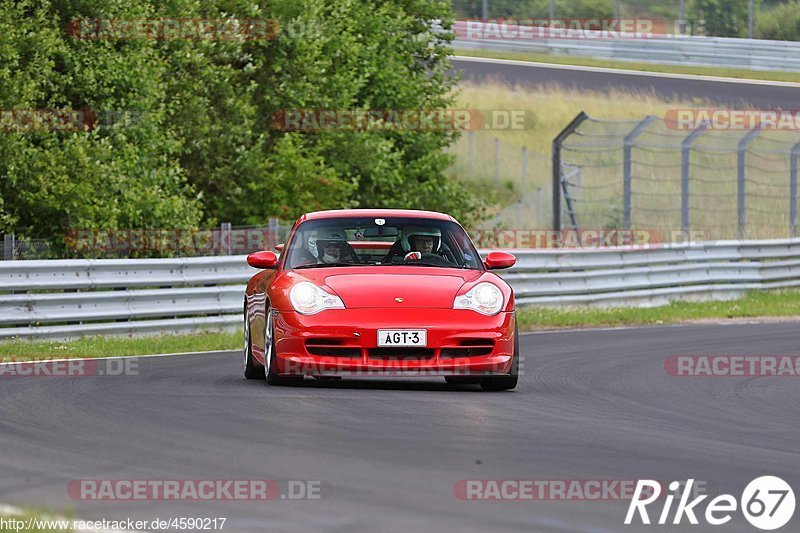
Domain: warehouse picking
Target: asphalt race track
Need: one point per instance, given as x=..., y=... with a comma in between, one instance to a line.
x=591, y=405
x=761, y=95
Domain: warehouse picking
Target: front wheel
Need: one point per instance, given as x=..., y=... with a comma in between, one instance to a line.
x=507, y=382
x=251, y=370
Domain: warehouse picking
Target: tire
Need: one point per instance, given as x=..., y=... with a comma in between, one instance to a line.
x=500, y=383
x=462, y=380
x=271, y=358
x=252, y=370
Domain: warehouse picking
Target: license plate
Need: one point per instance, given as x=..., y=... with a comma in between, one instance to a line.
x=402, y=337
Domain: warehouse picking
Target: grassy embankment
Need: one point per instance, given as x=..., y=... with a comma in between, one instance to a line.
x=598, y=152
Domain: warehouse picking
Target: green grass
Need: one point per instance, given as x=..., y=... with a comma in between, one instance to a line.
x=645, y=67
x=779, y=303
x=118, y=346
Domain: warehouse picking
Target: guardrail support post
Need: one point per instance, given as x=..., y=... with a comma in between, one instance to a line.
x=524, y=169
x=471, y=150
x=627, y=174
x=538, y=207
x=686, y=172
x=497, y=161
x=225, y=238
x=682, y=17
x=8, y=246
x=793, y=189
x=741, y=191
x=557, y=142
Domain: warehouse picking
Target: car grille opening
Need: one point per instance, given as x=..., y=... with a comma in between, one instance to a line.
x=330, y=348
x=401, y=353
x=470, y=348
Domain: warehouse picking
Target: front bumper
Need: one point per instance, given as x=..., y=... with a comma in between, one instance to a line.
x=343, y=342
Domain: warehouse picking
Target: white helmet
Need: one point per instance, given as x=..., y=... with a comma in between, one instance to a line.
x=409, y=232
x=318, y=239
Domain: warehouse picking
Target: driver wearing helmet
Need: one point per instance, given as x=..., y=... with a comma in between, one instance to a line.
x=419, y=243
x=422, y=241
x=329, y=246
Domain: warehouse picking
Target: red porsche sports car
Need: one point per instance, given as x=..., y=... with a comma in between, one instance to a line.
x=380, y=293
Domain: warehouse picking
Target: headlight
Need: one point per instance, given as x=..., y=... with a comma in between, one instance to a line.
x=308, y=299
x=485, y=298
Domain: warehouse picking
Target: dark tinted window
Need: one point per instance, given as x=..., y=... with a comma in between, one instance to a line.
x=381, y=241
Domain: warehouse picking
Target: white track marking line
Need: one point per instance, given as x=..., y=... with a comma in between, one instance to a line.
x=605, y=70
x=763, y=320
x=114, y=357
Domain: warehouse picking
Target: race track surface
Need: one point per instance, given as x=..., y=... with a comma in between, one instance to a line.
x=761, y=95
x=590, y=405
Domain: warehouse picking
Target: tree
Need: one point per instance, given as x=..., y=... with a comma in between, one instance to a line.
x=722, y=18
x=91, y=173
x=197, y=143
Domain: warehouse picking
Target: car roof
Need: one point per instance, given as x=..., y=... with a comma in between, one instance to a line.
x=342, y=213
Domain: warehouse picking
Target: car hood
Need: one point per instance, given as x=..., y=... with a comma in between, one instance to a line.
x=424, y=287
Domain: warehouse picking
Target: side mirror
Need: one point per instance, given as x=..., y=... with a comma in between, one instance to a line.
x=280, y=246
x=498, y=260
x=262, y=260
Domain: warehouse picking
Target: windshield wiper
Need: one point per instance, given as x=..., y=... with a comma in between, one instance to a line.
x=422, y=262
x=320, y=265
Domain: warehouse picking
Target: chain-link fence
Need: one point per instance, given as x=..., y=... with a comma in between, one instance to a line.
x=732, y=183
x=511, y=177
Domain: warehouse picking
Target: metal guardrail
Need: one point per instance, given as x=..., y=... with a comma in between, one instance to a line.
x=756, y=54
x=648, y=277
x=70, y=298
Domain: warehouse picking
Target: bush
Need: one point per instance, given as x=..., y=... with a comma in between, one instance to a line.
x=722, y=18
x=781, y=23
x=204, y=149
x=123, y=175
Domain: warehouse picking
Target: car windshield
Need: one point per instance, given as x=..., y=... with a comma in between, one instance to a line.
x=371, y=241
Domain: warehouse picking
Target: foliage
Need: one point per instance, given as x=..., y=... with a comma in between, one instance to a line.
x=120, y=175
x=200, y=146
x=722, y=18
x=780, y=23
